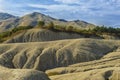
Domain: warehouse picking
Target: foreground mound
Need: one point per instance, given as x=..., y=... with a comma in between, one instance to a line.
x=47, y=55
x=106, y=68
x=77, y=59
x=21, y=74
x=97, y=74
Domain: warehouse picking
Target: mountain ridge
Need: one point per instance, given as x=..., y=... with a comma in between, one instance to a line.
x=4, y=16
x=33, y=18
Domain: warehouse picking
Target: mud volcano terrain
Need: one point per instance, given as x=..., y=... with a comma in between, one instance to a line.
x=57, y=53
x=73, y=59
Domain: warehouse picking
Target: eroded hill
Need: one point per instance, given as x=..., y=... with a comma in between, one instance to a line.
x=64, y=50
x=96, y=59
x=42, y=35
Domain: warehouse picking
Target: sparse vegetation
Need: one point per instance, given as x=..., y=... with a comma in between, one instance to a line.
x=59, y=28
x=40, y=24
x=69, y=28
x=50, y=26
x=21, y=28
x=104, y=29
x=5, y=35
x=97, y=31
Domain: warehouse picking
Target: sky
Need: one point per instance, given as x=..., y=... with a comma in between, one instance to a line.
x=99, y=12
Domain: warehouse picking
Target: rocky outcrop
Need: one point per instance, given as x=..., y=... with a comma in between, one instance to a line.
x=21, y=74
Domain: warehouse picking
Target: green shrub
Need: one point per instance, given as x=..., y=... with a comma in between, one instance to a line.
x=59, y=27
x=103, y=29
x=6, y=34
x=50, y=26
x=69, y=28
x=41, y=24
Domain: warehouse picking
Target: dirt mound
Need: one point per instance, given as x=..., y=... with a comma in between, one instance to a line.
x=21, y=74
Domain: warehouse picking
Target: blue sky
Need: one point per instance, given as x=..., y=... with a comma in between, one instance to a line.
x=100, y=12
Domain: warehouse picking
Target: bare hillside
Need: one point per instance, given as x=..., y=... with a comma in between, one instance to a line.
x=93, y=57
x=106, y=68
x=77, y=59
x=39, y=35
x=42, y=35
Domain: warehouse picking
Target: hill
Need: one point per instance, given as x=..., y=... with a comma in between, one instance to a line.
x=41, y=35
x=96, y=59
x=33, y=18
x=53, y=33
x=5, y=16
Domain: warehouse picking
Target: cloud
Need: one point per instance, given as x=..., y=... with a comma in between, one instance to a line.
x=68, y=1
x=101, y=12
x=92, y=7
x=55, y=7
x=95, y=11
x=1, y=7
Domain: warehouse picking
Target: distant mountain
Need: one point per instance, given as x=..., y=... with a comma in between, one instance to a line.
x=4, y=16
x=33, y=18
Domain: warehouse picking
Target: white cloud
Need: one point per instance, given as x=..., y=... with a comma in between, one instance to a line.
x=68, y=9
x=61, y=7
x=91, y=7
x=96, y=11
x=68, y=1
x=1, y=7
